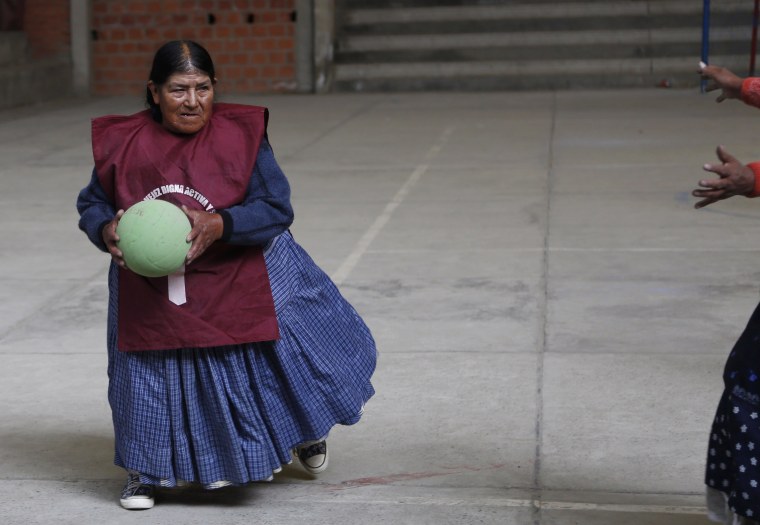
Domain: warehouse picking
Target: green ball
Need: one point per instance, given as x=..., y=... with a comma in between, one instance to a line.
x=152, y=237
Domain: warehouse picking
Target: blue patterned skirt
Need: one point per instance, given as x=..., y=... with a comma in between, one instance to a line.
x=733, y=456
x=232, y=414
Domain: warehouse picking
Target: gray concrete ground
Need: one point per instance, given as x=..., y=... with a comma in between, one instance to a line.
x=552, y=314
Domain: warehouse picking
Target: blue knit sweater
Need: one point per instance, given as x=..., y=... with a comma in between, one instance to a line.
x=265, y=212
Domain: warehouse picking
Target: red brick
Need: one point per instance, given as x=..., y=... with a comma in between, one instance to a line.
x=233, y=73
x=148, y=46
x=100, y=62
x=119, y=61
x=242, y=31
x=214, y=47
x=249, y=44
x=133, y=29
x=135, y=6
x=170, y=33
x=138, y=63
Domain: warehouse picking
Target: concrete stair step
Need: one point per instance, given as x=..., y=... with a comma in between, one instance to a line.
x=541, y=39
x=397, y=4
x=13, y=47
x=521, y=45
x=362, y=13
x=536, y=53
x=29, y=83
x=661, y=66
x=517, y=74
x=590, y=22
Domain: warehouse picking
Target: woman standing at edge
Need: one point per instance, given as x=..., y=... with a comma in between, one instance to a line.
x=732, y=474
x=259, y=355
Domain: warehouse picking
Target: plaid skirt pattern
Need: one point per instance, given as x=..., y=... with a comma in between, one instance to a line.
x=232, y=414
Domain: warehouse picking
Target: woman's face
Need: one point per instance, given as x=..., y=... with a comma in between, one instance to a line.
x=186, y=101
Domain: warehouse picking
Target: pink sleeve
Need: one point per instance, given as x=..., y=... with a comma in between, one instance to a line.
x=750, y=93
x=755, y=167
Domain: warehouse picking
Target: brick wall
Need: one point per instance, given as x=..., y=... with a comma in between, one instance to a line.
x=46, y=24
x=252, y=42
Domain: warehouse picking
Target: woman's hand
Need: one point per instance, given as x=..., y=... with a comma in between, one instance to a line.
x=207, y=228
x=735, y=179
x=721, y=78
x=110, y=238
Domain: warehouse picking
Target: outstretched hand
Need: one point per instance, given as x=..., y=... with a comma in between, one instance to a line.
x=723, y=79
x=735, y=179
x=206, y=228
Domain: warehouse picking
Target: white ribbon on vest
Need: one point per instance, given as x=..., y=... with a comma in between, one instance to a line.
x=177, y=287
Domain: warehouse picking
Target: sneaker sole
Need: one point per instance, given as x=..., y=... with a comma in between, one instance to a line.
x=137, y=503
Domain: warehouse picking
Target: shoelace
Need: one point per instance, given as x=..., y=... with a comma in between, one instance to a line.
x=135, y=487
x=313, y=450
x=132, y=483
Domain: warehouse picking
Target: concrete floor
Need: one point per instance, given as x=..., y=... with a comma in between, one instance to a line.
x=552, y=314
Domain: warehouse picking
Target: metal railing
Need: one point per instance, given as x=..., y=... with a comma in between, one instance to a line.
x=705, y=56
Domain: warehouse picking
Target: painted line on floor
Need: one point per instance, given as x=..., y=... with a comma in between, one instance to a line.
x=347, y=266
x=482, y=502
x=615, y=507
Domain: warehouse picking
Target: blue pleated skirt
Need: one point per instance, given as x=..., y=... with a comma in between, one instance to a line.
x=233, y=414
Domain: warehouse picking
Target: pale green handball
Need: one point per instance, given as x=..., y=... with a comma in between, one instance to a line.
x=152, y=237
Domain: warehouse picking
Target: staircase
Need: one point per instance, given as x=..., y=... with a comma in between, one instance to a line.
x=24, y=81
x=415, y=45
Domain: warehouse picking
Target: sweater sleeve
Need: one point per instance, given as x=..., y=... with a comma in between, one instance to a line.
x=266, y=211
x=750, y=92
x=95, y=211
x=755, y=167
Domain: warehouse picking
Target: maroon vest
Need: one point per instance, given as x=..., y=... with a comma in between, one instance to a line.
x=228, y=299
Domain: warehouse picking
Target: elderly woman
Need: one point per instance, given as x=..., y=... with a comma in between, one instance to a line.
x=259, y=355
x=732, y=474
